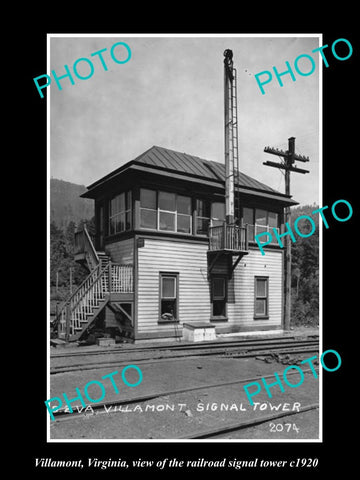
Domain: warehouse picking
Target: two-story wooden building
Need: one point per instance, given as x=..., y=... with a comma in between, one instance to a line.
x=163, y=255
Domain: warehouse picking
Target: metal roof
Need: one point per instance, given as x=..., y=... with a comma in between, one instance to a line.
x=189, y=164
x=179, y=163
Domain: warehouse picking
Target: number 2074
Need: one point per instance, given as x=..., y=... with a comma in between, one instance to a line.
x=283, y=427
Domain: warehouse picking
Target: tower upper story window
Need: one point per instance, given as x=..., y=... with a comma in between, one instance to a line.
x=120, y=213
x=165, y=211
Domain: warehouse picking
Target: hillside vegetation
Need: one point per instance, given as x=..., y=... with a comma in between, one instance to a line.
x=66, y=205
x=305, y=270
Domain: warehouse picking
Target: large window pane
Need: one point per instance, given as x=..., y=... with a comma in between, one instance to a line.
x=248, y=215
x=251, y=232
x=203, y=217
x=202, y=226
x=147, y=198
x=148, y=219
x=260, y=307
x=167, y=201
x=121, y=202
x=203, y=208
x=184, y=223
x=120, y=213
x=128, y=220
x=167, y=221
x=273, y=219
x=218, y=211
x=120, y=222
x=260, y=217
x=128, y=200
x=184, y=204
x=168, y=287
x=261, y=288
x=261, y=229
x=168, y=310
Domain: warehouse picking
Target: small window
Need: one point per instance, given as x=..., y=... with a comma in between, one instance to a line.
x=261, y=309
x=218, y=294
x=169, y=297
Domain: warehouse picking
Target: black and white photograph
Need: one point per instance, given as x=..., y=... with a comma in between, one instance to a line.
x=194, y=210
x=185, y=179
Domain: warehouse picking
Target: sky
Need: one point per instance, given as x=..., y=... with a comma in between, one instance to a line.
x=171, y=94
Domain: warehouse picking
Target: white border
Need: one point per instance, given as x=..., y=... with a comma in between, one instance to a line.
x=194, y=35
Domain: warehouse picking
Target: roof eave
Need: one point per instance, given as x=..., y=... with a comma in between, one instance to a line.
x=138, y=166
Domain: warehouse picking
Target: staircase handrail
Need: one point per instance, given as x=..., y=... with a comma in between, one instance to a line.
x=68, y=300
x=90, y=244
x=94, y=276
x=91, y=285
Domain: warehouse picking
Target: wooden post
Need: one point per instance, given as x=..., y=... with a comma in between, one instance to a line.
x=289, y=158
x=68, y=318
x=109, y=277
x=287, y=265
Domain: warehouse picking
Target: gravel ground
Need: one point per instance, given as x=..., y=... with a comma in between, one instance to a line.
x=180, y=415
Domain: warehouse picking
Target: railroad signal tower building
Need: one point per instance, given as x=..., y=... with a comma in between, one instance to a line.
x=174, y=247
x=164, y=256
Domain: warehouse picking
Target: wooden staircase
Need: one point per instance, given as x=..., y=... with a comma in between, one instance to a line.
x=105, y=278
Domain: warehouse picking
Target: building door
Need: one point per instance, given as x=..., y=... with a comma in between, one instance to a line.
x=219, y=297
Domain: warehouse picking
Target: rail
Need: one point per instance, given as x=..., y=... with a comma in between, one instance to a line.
x=228, y=237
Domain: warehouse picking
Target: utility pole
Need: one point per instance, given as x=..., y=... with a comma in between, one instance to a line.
x=289, y=157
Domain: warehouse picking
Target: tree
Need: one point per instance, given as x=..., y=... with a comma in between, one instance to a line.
x=58, y=254
x=62, y=257
x=305, y=270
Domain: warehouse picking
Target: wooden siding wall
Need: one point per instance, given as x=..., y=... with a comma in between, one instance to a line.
x=242, y=285
x=190, y=261
x=187, y=259
x=122, y=251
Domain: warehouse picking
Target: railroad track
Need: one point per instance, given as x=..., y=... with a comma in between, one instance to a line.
x=99, y=406
x=143, y=355
x=216, y=429
x=217, y=344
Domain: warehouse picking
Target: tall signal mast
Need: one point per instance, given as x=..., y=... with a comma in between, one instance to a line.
x=231, y=137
